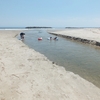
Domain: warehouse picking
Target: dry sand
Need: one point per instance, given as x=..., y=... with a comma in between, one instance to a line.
x=86, y=33
x=28, y=75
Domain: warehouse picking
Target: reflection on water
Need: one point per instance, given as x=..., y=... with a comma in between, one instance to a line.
x=79, y=58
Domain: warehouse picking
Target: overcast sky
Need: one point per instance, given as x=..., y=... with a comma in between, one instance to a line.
x=54, y=13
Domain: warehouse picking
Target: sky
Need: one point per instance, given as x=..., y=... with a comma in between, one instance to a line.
x=50, y=13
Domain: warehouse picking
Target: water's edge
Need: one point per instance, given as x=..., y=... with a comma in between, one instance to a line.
x=31, y=41
x=92, y=42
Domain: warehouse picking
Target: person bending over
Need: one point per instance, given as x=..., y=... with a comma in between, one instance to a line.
x=22, y=35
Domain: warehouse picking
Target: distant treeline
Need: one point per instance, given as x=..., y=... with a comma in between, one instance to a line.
x=38, y=27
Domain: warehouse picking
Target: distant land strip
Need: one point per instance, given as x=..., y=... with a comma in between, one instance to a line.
x=37, y=27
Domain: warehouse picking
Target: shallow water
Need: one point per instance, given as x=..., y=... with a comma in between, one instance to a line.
x=79, y=58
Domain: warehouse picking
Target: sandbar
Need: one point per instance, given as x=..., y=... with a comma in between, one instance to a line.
x=85, y=35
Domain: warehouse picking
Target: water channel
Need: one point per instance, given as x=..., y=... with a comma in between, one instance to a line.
x=82, y=59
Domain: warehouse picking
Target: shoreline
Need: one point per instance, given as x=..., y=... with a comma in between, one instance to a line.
x=27, y=75
x=86, y=35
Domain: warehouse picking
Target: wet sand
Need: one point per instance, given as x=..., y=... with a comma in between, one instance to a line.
x=28, y=75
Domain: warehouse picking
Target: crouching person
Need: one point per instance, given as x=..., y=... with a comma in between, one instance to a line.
x=22, y=35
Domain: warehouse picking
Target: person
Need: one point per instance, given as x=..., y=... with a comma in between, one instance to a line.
x=22, y=35
x=55, y=38
x=50, y=38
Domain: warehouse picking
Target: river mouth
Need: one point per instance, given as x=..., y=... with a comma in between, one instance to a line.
x=82, y=59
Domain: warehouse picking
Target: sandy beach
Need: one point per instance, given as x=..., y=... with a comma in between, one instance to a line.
x=85, y=35
x=28, y=75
